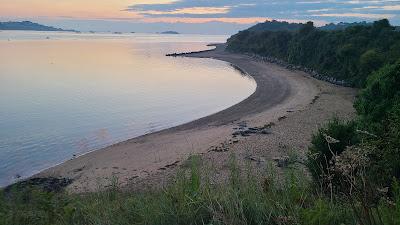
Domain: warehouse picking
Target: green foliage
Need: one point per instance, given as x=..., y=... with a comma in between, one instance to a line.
x=323, y=149
x=325, y=212
x=378, y=106
x=190, y=199
x=381, y=94
x=193, y=199
x=357, y=165
x=350, y=54
x=47, y=207
x=343, y=25
x=386, y=154
x=370, y=61
x=372, y=160
x=275, y=26
x=390, y=210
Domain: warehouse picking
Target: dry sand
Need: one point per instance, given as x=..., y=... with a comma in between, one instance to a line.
x=294, y=102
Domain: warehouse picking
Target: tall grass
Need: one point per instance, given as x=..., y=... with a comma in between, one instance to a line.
x=192, y=198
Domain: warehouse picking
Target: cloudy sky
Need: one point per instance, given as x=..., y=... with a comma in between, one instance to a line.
x=192, y=16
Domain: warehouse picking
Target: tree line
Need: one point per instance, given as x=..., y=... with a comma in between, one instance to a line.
x=350, y=54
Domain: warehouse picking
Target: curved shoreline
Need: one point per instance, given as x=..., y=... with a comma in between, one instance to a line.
x=278, y=91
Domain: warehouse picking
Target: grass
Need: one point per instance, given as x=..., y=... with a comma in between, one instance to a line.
x=192, y=198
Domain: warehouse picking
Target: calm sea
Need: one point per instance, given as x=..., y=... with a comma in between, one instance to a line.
x=65, y=94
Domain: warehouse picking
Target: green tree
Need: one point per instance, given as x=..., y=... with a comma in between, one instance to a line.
x=370, y=61
x=379, y=97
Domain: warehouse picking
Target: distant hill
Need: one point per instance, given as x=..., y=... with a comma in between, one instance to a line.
x=285, y=26
x=169, y=32
x=275, y=26
x=343, y=26
x=28, y=25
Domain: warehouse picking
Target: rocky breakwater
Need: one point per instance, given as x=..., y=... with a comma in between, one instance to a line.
x=309, y=71
x=187, y=53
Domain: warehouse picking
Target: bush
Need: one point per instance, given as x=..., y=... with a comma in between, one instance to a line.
x=329, y=141
x=389, y=209
x=379, y=108
x=386, y=154
x=377, y=100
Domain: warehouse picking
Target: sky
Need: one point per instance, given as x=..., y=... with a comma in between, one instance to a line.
x=192, y=16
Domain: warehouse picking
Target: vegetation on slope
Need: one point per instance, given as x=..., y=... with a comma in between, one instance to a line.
x=191, y=199
x=275, y=26
x=343, y=26
x=359, y=161
x=374, y=137
x=350, y=54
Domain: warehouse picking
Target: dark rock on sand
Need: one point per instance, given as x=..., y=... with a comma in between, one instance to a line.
x=252, y=130
x=48, y=184
x=282, y=161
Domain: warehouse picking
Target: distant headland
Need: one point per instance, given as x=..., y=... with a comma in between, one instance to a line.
x=169, y=32
x=28, y=25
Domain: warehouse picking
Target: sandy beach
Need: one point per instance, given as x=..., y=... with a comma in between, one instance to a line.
x=291, y=101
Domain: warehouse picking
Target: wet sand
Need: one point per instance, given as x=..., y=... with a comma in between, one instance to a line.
x=287, y=99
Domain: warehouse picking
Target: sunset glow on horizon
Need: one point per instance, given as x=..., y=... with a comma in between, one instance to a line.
x=240, y=12
x=104, y=9
x=89, y=9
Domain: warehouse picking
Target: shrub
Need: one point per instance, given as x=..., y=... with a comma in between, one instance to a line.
x=390, y=209
x=386, y=154
x=379, y=108
x=329, y=141
x=377, y=100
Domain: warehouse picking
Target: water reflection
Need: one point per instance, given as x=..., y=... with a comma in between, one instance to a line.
x=70, y=95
